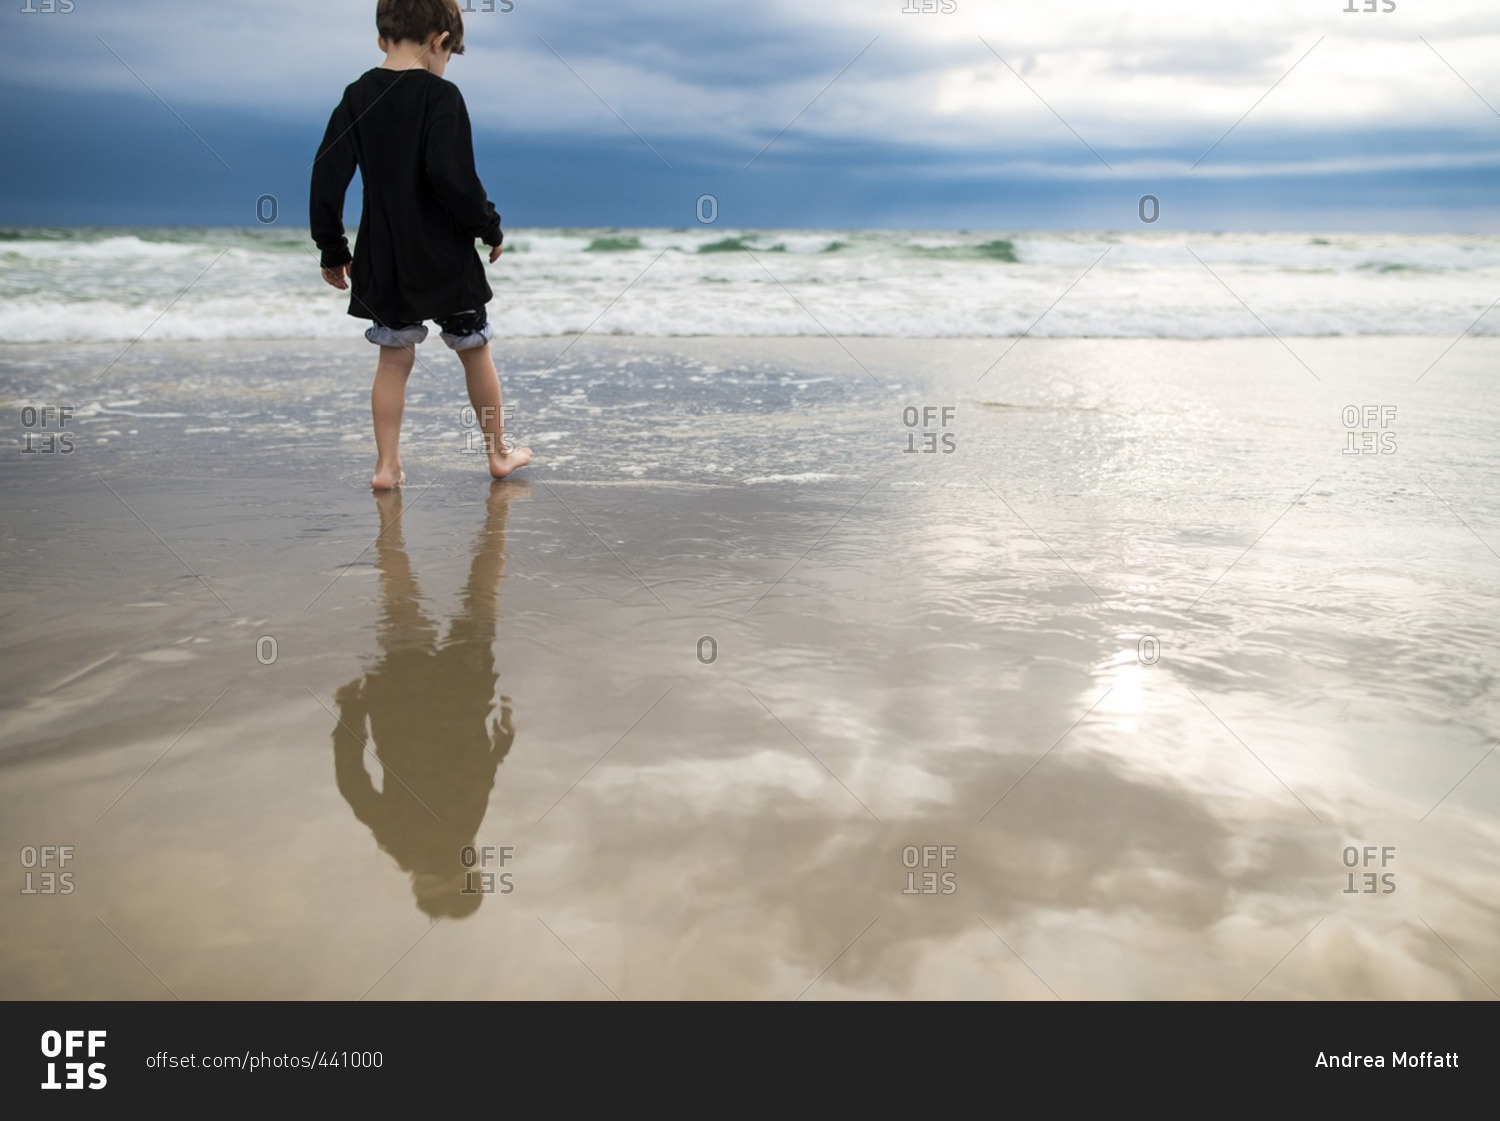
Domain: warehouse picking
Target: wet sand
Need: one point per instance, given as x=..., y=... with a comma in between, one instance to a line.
x=732, y=671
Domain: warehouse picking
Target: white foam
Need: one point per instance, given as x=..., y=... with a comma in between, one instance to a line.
x=120, y=287
x=804, y=477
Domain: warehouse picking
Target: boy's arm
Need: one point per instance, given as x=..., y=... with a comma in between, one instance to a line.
x=349, y=740
x=449, y=162
x=331, y=173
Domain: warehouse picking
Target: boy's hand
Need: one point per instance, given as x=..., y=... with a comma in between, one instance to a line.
x=495, y=252
x=337, y=276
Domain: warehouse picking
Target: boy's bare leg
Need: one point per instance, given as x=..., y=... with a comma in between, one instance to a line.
x=388, y=406
x=402, y=623
x=484, y=395
x=479, y=619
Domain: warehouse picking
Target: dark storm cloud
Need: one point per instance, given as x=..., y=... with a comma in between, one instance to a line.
x=122, y=113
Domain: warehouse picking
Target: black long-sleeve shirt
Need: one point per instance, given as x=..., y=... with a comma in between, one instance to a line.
x=427, y=711
x=408, y=132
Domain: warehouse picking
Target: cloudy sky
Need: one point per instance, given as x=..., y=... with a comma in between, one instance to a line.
x=587, y=112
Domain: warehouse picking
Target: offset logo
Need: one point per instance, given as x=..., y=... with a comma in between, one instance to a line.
x=67, y=1045
x=932, y=884
x=931, y=418
x=46, y=883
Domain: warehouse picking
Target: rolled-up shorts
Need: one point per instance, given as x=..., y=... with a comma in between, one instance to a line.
x=461, y=331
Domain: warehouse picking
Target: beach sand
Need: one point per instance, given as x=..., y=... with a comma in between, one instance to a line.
x=1147, y=649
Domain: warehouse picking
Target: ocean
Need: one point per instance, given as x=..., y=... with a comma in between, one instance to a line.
x=99, y=284
x=1166, y=636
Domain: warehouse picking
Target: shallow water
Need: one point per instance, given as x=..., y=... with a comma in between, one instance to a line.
x=1147, y=649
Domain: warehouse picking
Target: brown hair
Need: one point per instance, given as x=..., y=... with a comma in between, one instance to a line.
x=416, y=20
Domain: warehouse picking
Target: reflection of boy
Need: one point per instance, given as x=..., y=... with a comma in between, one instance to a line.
x=426, y=711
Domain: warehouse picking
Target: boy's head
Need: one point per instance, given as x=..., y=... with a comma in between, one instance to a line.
x=417, y=21
x=445, y=895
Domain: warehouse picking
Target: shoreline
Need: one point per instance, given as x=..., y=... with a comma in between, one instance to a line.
x=433, y=346
x=906, y=650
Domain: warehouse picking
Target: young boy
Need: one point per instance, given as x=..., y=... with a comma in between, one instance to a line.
x=407, y=129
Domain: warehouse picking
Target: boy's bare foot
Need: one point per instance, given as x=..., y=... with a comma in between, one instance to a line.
x=387, y=478
x=503, y=464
